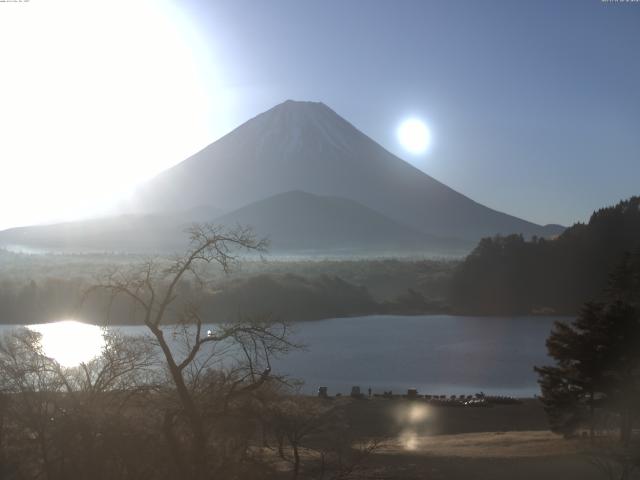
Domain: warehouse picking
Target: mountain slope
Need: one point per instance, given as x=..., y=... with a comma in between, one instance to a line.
x=295, y=222
x=302, y=222
x=307, y=146
x=123, y=233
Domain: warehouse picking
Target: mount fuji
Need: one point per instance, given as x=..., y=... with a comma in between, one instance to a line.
x=303, y=176
x=306, y=146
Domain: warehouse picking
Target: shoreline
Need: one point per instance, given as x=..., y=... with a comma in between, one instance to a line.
x=514, y=317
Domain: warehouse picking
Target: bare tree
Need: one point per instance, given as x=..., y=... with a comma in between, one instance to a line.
x=240, y=351
x=294, y=419
x=57, y=418
x=320, y=443
x=101, y=407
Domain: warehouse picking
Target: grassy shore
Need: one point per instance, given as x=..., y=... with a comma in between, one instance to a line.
x=498, y=442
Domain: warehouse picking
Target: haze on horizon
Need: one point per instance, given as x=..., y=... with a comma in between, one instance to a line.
x=533, y=108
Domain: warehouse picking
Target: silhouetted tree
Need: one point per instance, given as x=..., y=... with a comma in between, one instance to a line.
x=162, y=296
x=597, y=359
x=314, y=436
x=67, y=423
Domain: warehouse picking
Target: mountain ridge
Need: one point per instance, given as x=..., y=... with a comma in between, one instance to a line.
x=296, y=222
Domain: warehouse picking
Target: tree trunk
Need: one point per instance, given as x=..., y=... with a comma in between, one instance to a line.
x=194, y=420
x=296, y=460
x=280, y=440
x=591, y=417
x=44, y=452
x=625, y=426
x=265, y=435
x=173, y=444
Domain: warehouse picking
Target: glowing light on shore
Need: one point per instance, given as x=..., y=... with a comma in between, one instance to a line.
x=409, y=441
x=412, y=414
x=412, y=418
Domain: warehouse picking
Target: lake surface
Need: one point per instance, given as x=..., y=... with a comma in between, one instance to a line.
x=437, y=354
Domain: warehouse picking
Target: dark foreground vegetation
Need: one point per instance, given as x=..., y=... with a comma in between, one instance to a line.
x=596, y=380
x=121, y=417
x=594, y=387
x=131, y=414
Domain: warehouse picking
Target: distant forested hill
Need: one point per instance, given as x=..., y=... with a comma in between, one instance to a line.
x=505, y=275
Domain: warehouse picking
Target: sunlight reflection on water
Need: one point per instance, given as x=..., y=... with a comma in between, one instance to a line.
x=69, y=342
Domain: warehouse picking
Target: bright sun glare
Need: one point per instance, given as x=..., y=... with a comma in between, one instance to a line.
x=414, y=136
x=70, y=343
x=95, y=96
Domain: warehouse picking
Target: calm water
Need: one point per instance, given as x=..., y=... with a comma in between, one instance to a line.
x=438, y=354
x=435, y=353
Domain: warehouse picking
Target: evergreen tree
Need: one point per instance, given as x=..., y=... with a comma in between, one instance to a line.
x=597, y=359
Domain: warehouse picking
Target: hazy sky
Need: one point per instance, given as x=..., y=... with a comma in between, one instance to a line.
x=534, y=107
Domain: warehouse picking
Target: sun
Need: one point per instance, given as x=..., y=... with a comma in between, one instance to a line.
x=414, y=136
x=97, y=97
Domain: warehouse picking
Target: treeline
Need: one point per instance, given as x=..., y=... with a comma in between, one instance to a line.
x=286, y=296
x=384, y=278
x=42, y=288
x=46, y=300
x=511, y=275
x=293, y=297
x=290, y=297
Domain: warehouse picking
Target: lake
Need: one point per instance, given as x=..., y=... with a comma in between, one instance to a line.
x=437, y=354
